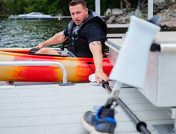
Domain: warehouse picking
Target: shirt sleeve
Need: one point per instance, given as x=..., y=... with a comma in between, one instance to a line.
x=94, y=32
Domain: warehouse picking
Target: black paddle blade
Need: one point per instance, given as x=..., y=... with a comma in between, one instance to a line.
x=155, y=47
x=155, y=20
x=33, y=50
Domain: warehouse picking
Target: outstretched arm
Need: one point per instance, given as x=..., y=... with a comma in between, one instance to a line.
x=56, y=39
x=96, y=49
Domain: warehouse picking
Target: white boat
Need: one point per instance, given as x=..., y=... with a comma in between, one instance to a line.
x=38, y=15
x=34, y=15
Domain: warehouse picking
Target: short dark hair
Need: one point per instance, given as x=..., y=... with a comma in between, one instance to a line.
x=76, y=2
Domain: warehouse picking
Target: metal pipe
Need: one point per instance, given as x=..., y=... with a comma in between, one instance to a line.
x=37, y=63
x=150, y=9
x=140, y=125
x=97, y=7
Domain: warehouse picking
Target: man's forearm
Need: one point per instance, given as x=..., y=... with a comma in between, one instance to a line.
x=56, y=39
x=96, y=50
x=98, y=60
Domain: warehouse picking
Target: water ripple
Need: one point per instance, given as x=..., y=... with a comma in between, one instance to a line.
x=27, y=33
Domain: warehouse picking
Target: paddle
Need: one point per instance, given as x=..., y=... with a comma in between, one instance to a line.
x=33, y=50
x=140, y=125
x=114, y=99
x=157, y=21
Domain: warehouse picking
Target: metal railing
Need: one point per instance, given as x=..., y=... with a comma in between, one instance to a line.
x=37, y=63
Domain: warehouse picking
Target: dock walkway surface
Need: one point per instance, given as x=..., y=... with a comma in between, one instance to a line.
x=54, y=109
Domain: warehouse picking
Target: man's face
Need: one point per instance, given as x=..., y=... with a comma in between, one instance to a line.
x=78, y=13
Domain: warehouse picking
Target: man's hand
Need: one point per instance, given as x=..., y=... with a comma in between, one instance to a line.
x=100, y=76
x=41, y=45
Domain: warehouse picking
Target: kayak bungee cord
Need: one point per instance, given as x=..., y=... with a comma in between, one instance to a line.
x=114, y=101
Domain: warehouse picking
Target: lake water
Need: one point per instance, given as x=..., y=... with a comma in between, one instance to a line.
x=27, y=33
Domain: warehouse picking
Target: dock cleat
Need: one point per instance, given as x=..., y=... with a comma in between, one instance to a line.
x=101, y=122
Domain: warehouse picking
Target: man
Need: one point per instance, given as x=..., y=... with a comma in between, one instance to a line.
x=86, y=33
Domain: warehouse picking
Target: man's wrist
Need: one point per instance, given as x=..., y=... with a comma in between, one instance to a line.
x=98, y=70
x=42, y=45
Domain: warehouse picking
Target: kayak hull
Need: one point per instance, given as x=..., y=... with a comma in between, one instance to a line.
x=78, y=69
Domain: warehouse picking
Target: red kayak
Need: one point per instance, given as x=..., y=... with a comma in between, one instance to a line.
x=78, y=69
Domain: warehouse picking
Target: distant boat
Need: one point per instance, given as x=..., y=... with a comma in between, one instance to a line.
x=38, y=15
x=32, y=15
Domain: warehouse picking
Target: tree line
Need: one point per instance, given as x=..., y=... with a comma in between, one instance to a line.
x=53, y=7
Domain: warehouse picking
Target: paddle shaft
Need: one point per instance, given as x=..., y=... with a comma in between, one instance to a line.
x=140, y=125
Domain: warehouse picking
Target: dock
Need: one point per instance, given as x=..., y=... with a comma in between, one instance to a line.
x=53, y=109
x=50, y=108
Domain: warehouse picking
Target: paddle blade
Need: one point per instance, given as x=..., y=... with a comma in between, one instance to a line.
x=130, y=67
x=155, y=20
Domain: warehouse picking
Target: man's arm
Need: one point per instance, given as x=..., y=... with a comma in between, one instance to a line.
x=96, y=49
x=56, y=39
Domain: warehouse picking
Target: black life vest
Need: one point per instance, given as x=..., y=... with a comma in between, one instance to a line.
x=78, y=45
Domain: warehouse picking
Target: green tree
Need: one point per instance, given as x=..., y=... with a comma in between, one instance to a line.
x=8, y=7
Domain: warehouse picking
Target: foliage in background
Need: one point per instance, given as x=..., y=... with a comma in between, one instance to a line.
x=8, y=7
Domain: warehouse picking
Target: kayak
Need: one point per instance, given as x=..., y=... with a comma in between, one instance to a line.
x=78, y=69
